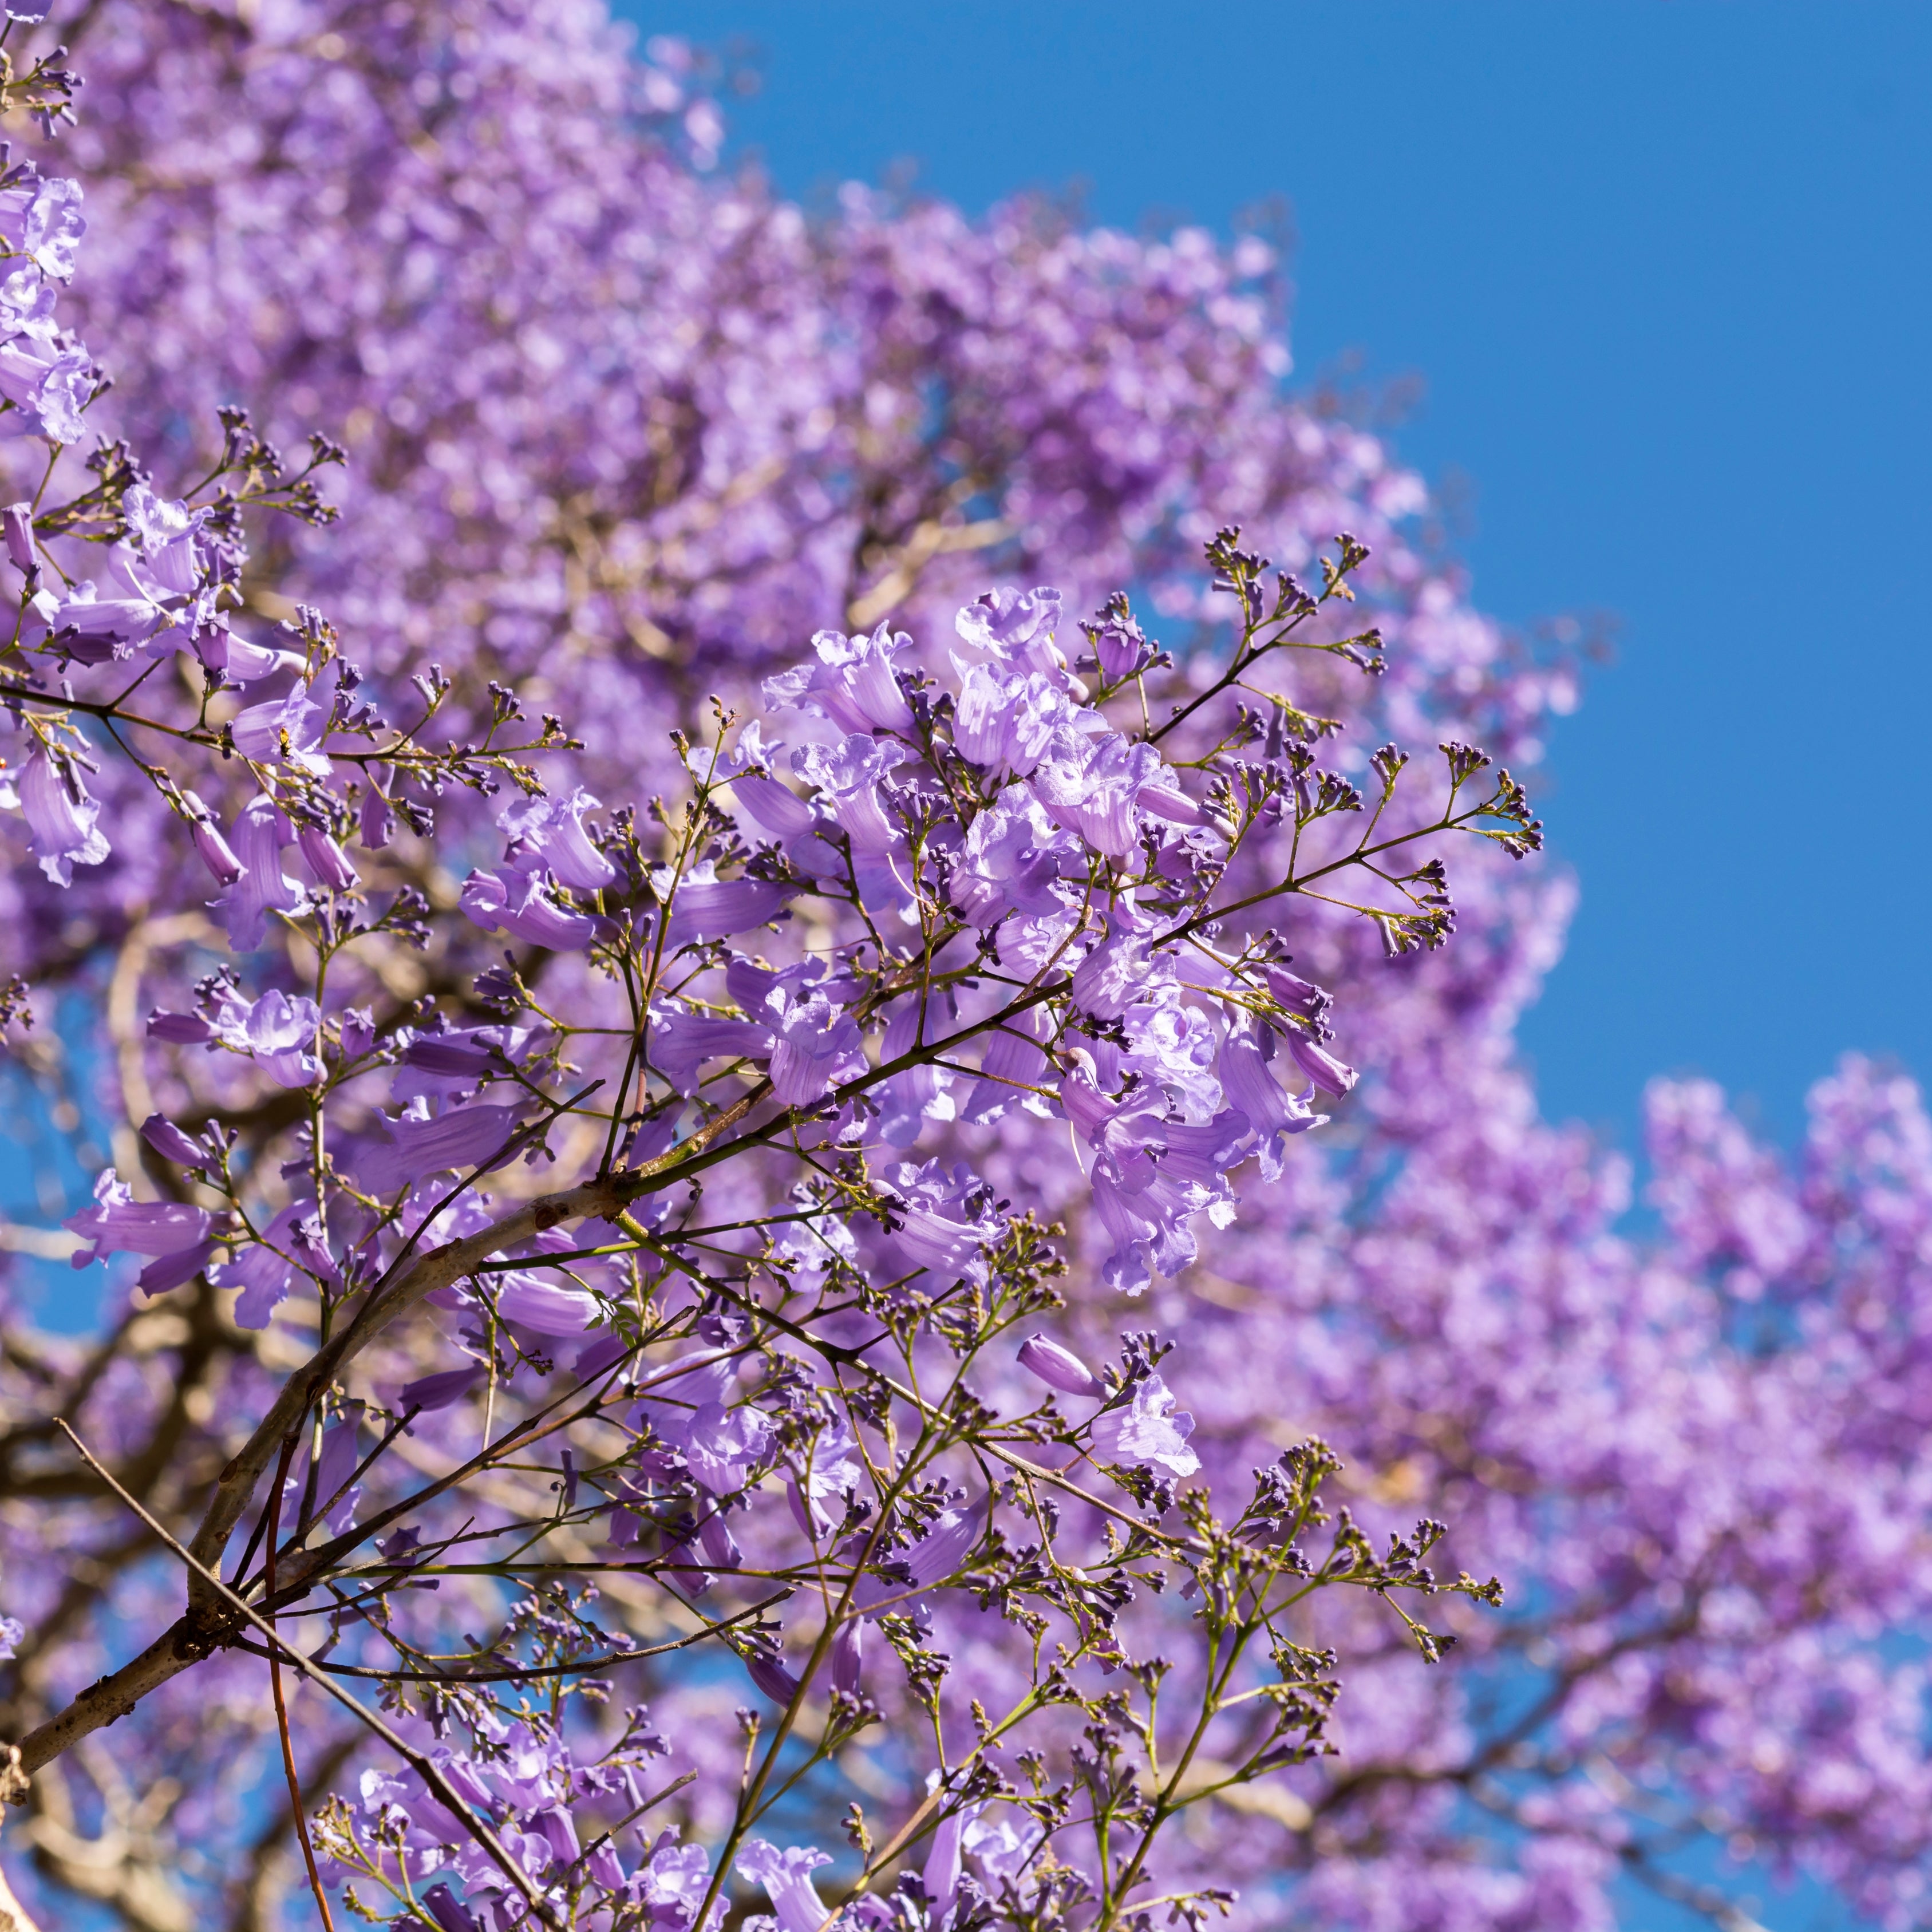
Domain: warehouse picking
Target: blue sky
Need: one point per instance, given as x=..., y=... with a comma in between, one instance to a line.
x=1662, y=269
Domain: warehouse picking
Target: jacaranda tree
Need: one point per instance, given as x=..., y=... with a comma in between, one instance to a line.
x=741, y=1272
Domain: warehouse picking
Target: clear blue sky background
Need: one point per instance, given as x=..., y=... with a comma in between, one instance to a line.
x=1663, y=270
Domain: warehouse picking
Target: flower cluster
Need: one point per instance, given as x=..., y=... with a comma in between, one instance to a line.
x=1004, y=891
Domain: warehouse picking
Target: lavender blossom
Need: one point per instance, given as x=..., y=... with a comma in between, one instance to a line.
x=119, y=1224
x=62, y=817
x=853, y=685
x=522, y=905
x=261, y=832
x=1146, y=1428
x=786, y=1876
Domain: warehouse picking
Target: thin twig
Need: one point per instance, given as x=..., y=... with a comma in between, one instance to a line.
x=296, y=1809
x=445, y=1792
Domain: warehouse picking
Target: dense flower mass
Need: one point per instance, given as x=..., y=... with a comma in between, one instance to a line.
x=638, y=1397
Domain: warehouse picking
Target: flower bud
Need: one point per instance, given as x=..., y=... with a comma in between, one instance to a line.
x=377, y=822
x=17, y=520
x=216, y=853
x=179, y=1029
x=772, y=1678
x=1059, y=1368
x=1321, y=1066
x=326, y=860
x=848, y=1649
x=169, y=1141
x=428, y=1393
x=440, y=1903
x=1296, y=994
x=720, y=1546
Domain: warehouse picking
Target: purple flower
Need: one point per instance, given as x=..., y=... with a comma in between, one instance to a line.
x=946, y=1545
x=442, y=1389
x=1296, y=994
x=848, y=776
x=1123, y=970
x=604, y=1353
x=234, y=659
x=1014, y=859
x=705, y=908
x=1147, y=1429
x=179, y=1029
x=456, y=1060
x=1013, y=1067
x=722, y=1446
x=333, y=1468
x=778, y=813
x=168, y=1271
x=521, y=903
x=720, y=1546
x=786, y=1876
x=1094, y=784
x=40, y=216
x=278, y=1032
x=165, y=531
x=1170, y=803
x=547, y=834
x=1126, y=1133
x=1151, y=1224
x=463, y=1056
x=440, y=1903
x=852, y=684
x=94, y=622
x=1120, y=647
x=44, y=373
x=1059, y=1368
x=1005, y=721
x=681, y=1043
x=809, y=1041
x=260, y=833
x=940, y=1875
x=415, y=1148
x=117, y=1223
x=830, y=1471
x=675, y=1882
x=847, y=1656
x=814, y=1044
x=776, y=1681
x=375, y=818
x=1254, y=1092
x=290, y=729
x=1004, y=1850
x=920, y=1093
x=264, y=1269
x=60, y=817
x=544, y=1307
x=944, y=1221
x=1017, y=627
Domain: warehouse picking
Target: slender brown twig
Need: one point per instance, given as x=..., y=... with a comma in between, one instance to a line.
x=281, y=1706
x=446, y=1794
